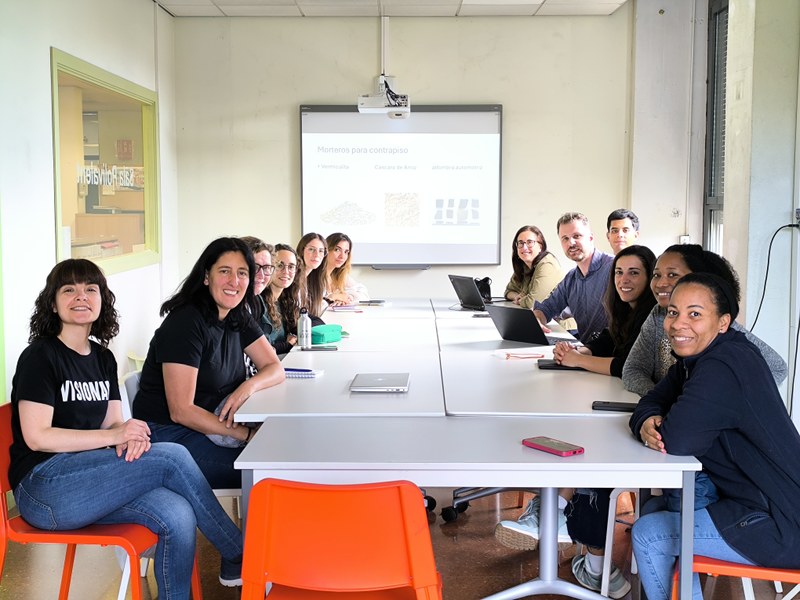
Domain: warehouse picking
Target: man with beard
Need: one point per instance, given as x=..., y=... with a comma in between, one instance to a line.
x=583, y=287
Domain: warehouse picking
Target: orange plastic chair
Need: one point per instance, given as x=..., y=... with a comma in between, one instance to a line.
x=316, y=541
x=134, y=539
x=712, y=566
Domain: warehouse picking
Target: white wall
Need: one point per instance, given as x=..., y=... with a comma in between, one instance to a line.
x=116, y=35
x=564, y=84
x=761, y=164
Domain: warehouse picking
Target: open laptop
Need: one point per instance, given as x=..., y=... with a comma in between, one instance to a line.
x=467, y=292
x=519, y=325
x=380, y=382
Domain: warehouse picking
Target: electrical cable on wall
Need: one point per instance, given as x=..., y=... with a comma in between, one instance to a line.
x=790, y=399
x=766, y=273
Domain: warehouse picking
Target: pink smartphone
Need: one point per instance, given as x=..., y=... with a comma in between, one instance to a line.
x=557, y=447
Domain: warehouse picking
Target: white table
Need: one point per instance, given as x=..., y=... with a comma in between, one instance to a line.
x=329, y=394
x=385, y=334
x=482, y=383
x=475, y=452
x=407, y=308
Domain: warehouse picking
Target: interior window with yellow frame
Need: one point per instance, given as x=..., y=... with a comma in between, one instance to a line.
x=106, y=166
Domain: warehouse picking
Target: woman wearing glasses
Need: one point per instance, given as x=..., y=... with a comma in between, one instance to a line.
x=195, y=361
x=536, y=271
x=312, y=248
x=282, y=309
x=262, y=254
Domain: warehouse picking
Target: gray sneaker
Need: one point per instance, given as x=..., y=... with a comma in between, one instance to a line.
x=523, y=534
x=618, y=586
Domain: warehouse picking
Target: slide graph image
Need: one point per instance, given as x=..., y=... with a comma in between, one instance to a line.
x=348, y=213
x=401, y=209
x=465, y=211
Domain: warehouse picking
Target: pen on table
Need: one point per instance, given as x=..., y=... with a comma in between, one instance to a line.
x=510, y=355
x=298, y=370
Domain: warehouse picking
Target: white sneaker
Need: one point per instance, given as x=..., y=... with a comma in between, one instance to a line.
x=523, y=534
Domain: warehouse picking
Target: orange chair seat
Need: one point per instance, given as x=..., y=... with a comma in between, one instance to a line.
x=713, y=566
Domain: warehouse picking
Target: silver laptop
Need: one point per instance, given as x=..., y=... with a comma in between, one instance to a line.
x=467, y=292
x=380, y=382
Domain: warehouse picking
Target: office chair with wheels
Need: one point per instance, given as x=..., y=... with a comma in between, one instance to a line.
x=308, y=540
x=712, y=566
x=133, y=539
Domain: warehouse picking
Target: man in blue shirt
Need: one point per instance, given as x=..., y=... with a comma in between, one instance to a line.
x=584, y=286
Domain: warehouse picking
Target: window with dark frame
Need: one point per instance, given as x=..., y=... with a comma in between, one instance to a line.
x=714, y=199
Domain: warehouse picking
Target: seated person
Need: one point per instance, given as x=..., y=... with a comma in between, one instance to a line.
x=340, y=287
x=195, y=361
x=280, y=298
x=536, y=271
x=719, y=403
x=583, y=517
x=312, y=249
x=74, y=462
x=651, y=357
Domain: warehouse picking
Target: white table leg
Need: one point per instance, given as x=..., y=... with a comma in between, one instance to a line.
x=548, y=581
x=687, y=535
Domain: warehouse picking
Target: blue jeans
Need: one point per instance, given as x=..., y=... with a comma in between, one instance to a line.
x=216, y=462
x=163, y=490
x=656, y=541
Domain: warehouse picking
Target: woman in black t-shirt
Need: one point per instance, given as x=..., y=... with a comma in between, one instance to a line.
x=75, y=462
x=194, y=362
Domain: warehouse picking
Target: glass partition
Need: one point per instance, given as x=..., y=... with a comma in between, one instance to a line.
x=105, y=165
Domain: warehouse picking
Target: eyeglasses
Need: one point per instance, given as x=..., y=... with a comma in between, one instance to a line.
x=322, y=251
x=289, y=268
x=265, y=269
x=528, y=243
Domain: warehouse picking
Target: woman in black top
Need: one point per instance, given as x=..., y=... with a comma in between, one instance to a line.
x=75, y=462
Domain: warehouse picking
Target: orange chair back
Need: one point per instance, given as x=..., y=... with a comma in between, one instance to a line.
x=713, y=566
x=5, y=442
x=344, y=538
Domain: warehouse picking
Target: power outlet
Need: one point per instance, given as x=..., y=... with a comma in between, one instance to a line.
x=684, y=239
x=797, y=214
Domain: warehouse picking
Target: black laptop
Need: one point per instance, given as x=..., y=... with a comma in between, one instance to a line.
x=517, y=325
x=467, y=292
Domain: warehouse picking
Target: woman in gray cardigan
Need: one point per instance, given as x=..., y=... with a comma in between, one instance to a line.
x=650, y=357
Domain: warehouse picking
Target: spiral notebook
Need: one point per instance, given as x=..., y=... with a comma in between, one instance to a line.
x=303, y=373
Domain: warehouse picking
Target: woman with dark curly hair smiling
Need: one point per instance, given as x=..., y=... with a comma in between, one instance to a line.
x=75, y=462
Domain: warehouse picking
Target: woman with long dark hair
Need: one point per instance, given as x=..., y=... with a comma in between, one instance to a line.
x=628, y=303
x=195, y=360
x=536, y=271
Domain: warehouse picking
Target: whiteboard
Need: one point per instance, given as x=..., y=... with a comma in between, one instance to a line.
x=419, y=191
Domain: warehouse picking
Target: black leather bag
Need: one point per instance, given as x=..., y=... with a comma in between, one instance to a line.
x=484, y=287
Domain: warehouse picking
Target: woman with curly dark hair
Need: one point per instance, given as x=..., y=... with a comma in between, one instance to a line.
x=194, y=362
x=75, y=462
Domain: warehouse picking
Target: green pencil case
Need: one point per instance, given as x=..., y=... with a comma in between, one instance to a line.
x=325, y=334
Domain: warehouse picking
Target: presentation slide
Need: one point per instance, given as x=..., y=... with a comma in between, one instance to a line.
x=418, y=191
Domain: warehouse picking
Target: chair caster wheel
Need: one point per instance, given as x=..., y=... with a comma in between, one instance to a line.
x=462, y=507
x=430, y=503
x=449, y=514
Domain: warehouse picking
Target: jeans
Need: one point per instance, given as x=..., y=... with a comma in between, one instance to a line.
x=163, y=490
x=656, y=541
x=216, y=462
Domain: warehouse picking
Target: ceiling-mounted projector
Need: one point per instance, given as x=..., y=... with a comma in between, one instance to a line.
x=385, y=101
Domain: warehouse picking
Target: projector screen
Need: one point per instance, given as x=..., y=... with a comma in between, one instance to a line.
x=415, y=192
